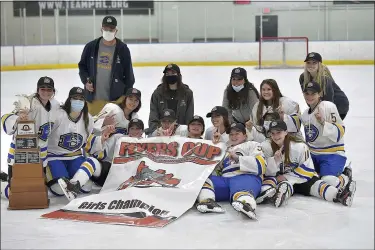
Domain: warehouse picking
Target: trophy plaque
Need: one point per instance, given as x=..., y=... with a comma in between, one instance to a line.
x=27, y=186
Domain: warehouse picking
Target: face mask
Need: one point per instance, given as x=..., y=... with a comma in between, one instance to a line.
x=77, y=105
x=266, y=125
x=108, y=36
x=237, y=88
x=171, y=79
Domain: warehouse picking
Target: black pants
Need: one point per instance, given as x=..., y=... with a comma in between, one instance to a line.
x=304, y=188
x=106, y=166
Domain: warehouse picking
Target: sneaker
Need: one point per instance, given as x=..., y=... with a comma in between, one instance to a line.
x=345, y=196
x=266, y=195
x=209, y=206
x=71, y=190
x=245, y=208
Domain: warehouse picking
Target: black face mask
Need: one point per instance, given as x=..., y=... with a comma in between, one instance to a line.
x=171, y=79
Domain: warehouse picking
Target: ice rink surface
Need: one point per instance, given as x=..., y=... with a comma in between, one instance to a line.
x=306, y=222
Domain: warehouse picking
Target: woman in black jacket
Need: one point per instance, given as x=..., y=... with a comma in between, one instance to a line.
x=173, y=94
x=317, y=71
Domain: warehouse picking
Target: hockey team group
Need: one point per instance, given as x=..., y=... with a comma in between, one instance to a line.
x=267, y=160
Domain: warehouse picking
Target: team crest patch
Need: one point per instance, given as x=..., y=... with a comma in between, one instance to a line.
x=166, y=113
x=79, y=90
x=233, y=125
x=214, y=109
x=274, y=124
x=237, y=71
x=109, y=20
x=169, y=66
x=312, y=55
x=310, y=84
x=46, y=80
x=134, y=91
x=196, y=117
x=135, y=120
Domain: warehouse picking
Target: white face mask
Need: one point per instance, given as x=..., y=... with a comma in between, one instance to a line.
x=238, y=88
x=108, y=35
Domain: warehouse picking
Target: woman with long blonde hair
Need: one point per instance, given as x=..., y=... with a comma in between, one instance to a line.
x=316, y=71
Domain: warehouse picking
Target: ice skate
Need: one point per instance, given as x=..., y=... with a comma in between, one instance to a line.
x=245, y=208
x=3, y=176
x=71, y=190
x=282, y=194
x=266, y=195
x=346, y=195
x=209, y=206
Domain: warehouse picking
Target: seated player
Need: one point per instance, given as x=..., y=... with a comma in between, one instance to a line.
x=102, y=148
x=220, y=122
x=169, y=125
x=324, y=132
x=196, y=127
x=241, y=176
x=68, y=137
x=290, y=161
x=119, y=114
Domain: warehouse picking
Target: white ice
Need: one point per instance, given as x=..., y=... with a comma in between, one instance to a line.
x=306, y=222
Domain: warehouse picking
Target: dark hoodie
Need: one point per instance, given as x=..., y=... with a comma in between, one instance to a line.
x=159, y=102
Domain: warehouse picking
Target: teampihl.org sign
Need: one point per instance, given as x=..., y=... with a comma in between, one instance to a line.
x=80, y=8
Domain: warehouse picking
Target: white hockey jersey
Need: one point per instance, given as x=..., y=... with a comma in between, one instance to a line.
x=327, y=138
x=105, y=151
x=121, y=123
x=209, y=135
x=68, y=137
x=289, y=106
x=300, y=166
x=251, y=160
x=44, y=122
x=181, y=130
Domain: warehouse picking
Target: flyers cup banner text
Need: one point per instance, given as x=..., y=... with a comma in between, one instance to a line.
x=152, y=182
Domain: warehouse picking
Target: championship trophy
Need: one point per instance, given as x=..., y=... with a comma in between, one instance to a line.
x=27, y=185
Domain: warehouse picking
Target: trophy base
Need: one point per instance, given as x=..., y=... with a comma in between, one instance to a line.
x=28, y=200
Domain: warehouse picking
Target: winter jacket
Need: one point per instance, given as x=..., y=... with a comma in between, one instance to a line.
x=243, y=113
x=185, y=106
x=332, y=93
x=122, y=69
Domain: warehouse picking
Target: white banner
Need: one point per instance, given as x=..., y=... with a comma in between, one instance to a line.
x=152, y=182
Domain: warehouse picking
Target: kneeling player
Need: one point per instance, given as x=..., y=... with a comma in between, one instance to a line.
x=241, y=176
x=291, y=160
x=103, y=149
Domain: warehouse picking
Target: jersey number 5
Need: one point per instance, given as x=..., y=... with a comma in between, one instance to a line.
x=333, y=117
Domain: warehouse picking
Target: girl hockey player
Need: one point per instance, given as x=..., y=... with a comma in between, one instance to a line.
x=119, y=115
x=102, y=148
x=289, y=159
x=169, y=125
x=316, y=71
x=42, y=111
x=220, y=122
x=65, y=144
x=241, y=176
x=240, y=96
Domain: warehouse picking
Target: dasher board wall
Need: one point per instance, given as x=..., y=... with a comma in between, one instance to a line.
x=190, y=54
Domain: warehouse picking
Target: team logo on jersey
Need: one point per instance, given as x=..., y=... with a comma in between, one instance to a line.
x=311, y=133
x=45, y=130
x=71, y=141
x=146, y=178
